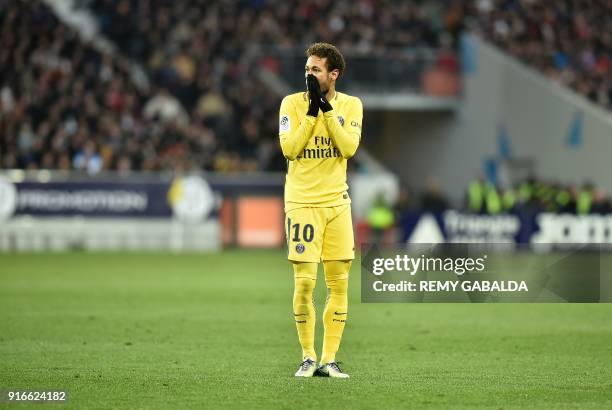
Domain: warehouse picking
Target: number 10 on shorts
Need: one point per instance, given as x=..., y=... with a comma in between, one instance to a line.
x=295, y=230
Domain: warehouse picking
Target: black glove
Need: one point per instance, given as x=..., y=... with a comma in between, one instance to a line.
x=315, y=90
x=313, y=101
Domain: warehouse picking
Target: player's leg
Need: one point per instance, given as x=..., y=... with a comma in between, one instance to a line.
x=338, y=252
x=304, y=313
x=335, y=313
x=304, y=245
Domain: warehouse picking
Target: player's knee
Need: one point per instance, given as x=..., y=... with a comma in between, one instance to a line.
x=336, y=270
x=336, y=277
x=304, y=286
x=302, y=296
x=305, y=281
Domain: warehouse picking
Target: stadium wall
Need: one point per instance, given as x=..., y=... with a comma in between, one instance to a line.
x=509, y=113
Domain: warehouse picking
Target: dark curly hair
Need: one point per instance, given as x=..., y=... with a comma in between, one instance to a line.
x=335, y=60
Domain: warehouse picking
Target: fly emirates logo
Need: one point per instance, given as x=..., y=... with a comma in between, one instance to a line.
x=323, y=148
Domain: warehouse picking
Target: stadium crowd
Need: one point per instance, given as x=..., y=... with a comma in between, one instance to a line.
x=568, y=40
x=64, y=104
x=536, y=195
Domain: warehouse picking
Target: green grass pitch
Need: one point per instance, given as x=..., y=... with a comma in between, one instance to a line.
x=122, y=330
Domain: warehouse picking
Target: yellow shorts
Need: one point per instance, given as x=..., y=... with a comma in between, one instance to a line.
x=315, y=234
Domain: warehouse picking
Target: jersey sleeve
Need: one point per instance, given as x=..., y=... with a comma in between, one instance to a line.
x=293, y=133
x=346, y=137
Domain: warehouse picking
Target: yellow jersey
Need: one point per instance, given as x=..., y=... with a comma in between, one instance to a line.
x=317, y=149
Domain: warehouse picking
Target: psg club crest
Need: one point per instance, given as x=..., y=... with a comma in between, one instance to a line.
x=300, y=248
x=341, y=119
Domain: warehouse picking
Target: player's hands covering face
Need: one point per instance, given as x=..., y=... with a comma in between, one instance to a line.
x=314, y=92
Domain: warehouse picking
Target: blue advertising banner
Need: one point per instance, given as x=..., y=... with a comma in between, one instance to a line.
x=93, y=199
x=187, y=198
x=546, y=228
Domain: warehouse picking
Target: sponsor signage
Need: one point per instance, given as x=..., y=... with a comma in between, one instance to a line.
x=186, y=198
x=545, y=228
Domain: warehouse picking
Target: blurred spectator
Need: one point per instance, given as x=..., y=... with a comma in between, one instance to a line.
x=600, y=205
x=88, y=159
x=380, y=219
x=433, y=199
x=163, y=106
x=475, y=197
x=584, y=201
x=405, y=212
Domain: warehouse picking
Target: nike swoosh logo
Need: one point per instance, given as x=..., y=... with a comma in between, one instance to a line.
x=301, y=314
x=339, y=313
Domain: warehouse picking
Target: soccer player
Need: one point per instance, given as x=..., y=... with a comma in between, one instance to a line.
x=319, y=131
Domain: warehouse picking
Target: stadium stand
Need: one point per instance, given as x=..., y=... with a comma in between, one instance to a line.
x=205, y=108
x=568, y=40
x=66, y=105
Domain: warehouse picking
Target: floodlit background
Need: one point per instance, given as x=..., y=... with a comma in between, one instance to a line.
x=142, y=259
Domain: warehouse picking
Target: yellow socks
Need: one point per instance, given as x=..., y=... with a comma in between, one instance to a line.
x=303, y=306
x=336, y=307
